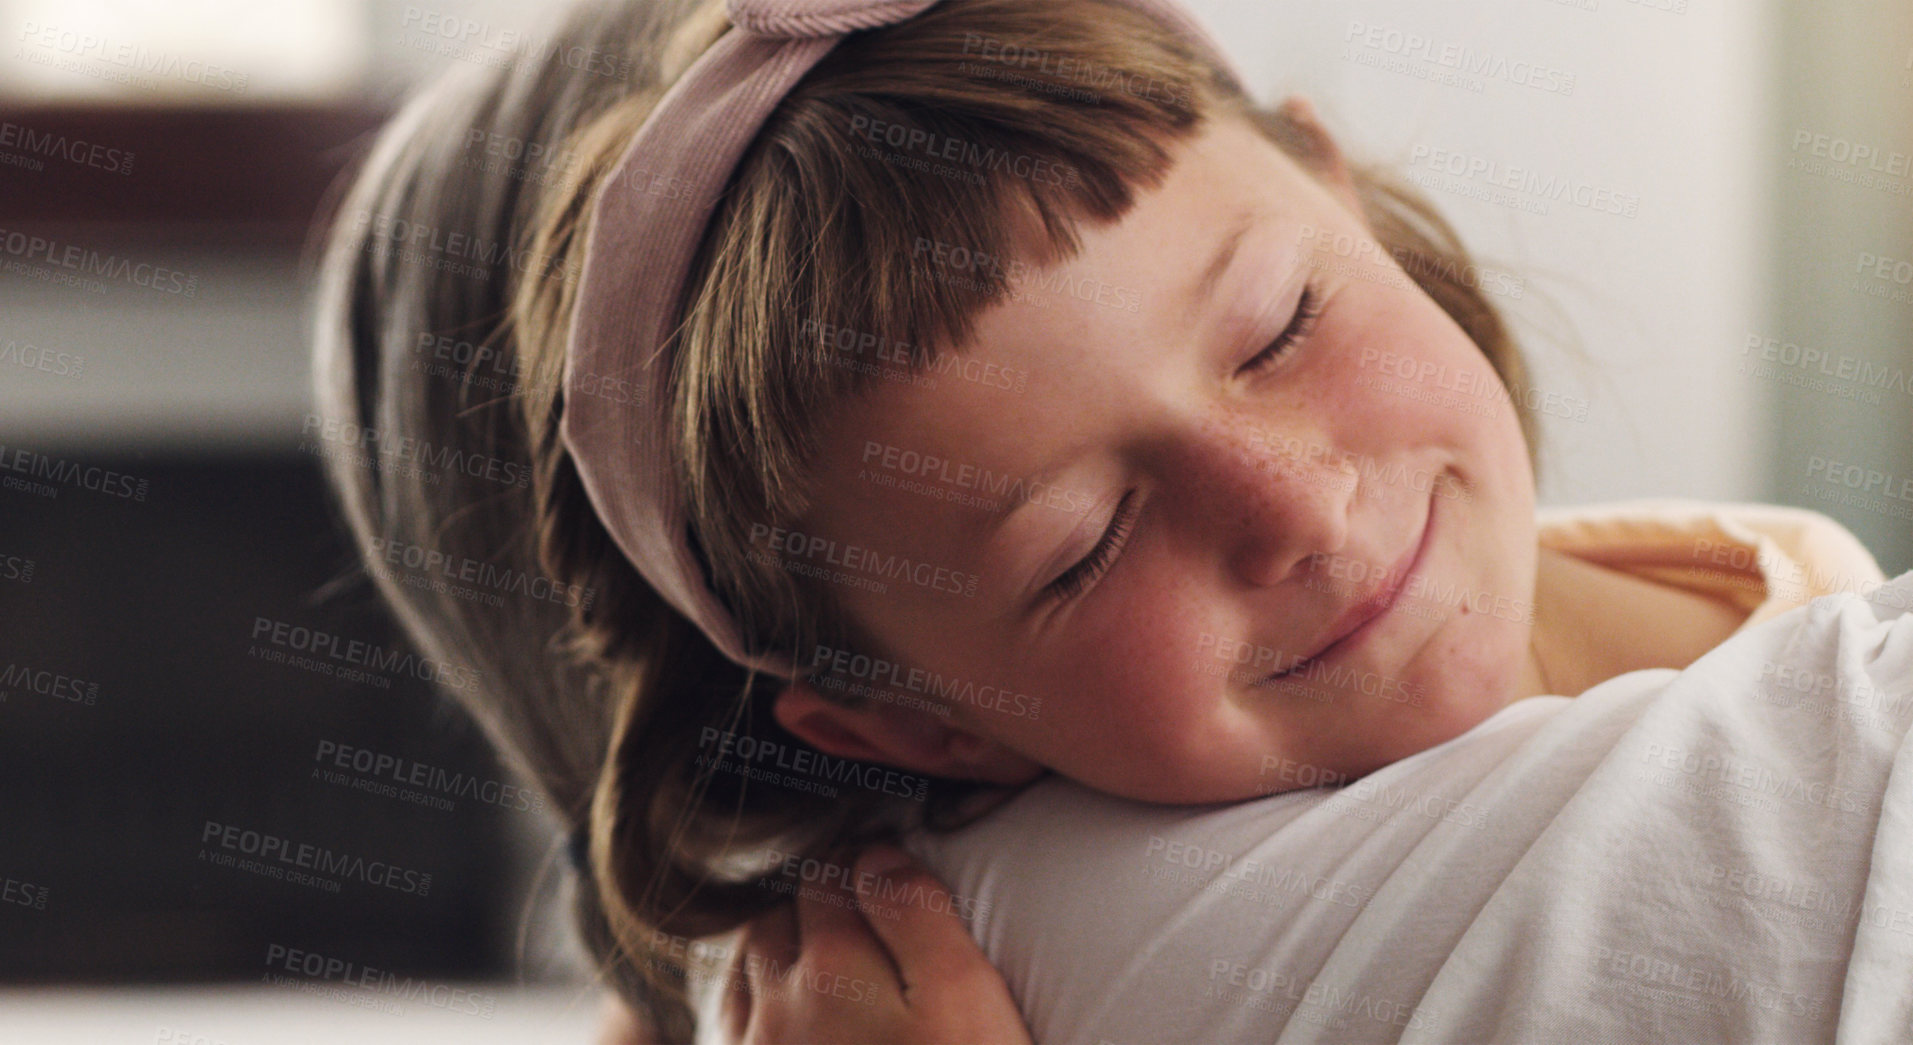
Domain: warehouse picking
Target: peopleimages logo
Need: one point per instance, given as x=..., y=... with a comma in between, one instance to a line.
x=859, y=565
x=904, y=361
x=46, y=361
x=1472, y=65
x=18, y=677
x=957, y=150
x=1232, y=868
x=36, y=465
x=413, y=781
x=135, y=64
x=436, y=564
x=1366, y=258
x=355, y=653
x=314, y=968
x=1548, y=186
x=961, y=482
x=456, y=253
x=420, y=453
x=84, y=262
x=1867, y=156
x=1020, y=277
x=481, y=42
x=278, y=857
x=1860, y=477
x=1863, y=375
x=797, y=868
x=747, y=754
x=76, y=151
x=23, y=894
x=16, y=568
x=1075, y=78
x=845, y=664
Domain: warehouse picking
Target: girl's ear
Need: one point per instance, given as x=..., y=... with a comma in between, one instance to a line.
x=1318, y=151
x=889, y=734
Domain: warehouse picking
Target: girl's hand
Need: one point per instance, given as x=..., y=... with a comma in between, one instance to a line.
x=621, y=1026
x=844, y=968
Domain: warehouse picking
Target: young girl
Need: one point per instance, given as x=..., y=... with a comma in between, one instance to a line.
x=918, y=400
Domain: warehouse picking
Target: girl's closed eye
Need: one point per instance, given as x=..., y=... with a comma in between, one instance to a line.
x=1307, y=311
x=1090, y=568
x=1076, y=580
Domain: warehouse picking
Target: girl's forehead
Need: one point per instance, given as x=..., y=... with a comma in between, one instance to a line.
x=1059, y=340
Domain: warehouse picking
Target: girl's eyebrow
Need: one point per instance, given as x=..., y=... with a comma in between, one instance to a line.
x=1200, y=292
x=992, y=521
x=1205, y=285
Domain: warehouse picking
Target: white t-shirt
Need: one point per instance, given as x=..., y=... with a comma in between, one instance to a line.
x=1719, y=853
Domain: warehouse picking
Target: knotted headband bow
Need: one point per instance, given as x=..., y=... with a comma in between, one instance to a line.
x=645, y=227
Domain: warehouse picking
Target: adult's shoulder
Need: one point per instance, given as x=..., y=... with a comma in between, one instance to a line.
x=1123, y=920
x=1764, y=558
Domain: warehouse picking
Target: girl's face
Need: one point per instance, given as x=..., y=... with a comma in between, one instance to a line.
x=1252, y=513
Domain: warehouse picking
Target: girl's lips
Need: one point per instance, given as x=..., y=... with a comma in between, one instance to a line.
x=1356, y=621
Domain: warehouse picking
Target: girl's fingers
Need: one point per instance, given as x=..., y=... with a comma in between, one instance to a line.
x=883, y=959
x=767, y=953
x=735, y=1015
x=622, y=1027
x=949, y=986
x=911, y=912
x=837, y=945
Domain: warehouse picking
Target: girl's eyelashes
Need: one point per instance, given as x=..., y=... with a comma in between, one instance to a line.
x=1091, y=567
x=1307, y=311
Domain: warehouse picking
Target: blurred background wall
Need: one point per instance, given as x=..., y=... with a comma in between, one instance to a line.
x=1702, y=207
x=1605, y=153
x=1837, y=280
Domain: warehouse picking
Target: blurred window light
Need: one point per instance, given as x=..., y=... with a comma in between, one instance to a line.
x=181, y=52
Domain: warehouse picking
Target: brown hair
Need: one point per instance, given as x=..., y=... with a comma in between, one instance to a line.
x=605, y=697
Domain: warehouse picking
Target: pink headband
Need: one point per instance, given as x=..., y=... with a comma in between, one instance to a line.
x=645, y=226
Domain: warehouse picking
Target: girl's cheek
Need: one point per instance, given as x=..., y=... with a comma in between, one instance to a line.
x=1177, y=667
x=1130, y=666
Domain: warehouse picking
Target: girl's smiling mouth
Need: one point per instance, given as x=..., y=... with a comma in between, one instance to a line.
x=1357, y=622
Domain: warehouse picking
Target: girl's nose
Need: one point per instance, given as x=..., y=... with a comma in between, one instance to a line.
x=1273, y=498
